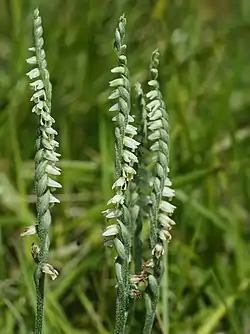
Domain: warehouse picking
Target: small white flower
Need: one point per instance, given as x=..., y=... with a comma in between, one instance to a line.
x=153, y=105
x=30, y=230
x=155, y=135
x=53, y=199
x=128, y=172
x=158, y=251
x=53, y=184
x=52, y=170
x=130, y=143
x=118, y=69
x=167, y=207
x=168, y=192
x=117, y=199
x=155, y=115
x=112, y=213
x=166, y=221
x=48, y=269
x=131, y=130
x=168, y=183
x=119, y=183
x=32, y=60
x=129, y=157
x=153, y=94
x=111, y=230
x=36, y=85
x=131, y=118
x=155, y=125
x=37, y=95
x=165, y=235
x=34, y=73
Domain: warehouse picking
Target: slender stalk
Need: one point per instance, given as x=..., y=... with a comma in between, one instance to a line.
x=165, y=292
x=120, y=233
x=45, y=160
x=161, y=209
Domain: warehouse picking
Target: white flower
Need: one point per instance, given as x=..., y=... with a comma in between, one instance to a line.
x=34, y=73
x=117, y=199
x=110, y=230
x=30, y=230
x=119, y=183
x=131, y=130
x=167, y=207
x=48, y=269
x=112, y=213
x=130, y=143
x=168, y=192
x=158, y=251
x=166, y=221
x=165, y=235
x=129, y=157
x=32, y=60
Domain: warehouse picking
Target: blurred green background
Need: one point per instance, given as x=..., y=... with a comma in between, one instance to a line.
x=205, y=80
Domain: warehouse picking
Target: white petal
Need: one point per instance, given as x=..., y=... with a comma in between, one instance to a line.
x=48, y=269
x=53, y=184
x=52, y=170
x=119, y=183
x=167, y=207
x=168, y=192
x=36, y=85
x=158, y=251
x=31, y=60
x=112, y=213
x=34, y=73
x=110, y=230
x=155, y=125
x=53, y=199
x=167, y=181
x=118, y=69
x=130, y=143
x=166, y=221
x=165, y=235
x=30, y=230
x=117, y=199
x=116, y=82
x=131, y=130
x=129, y=170
x=129, y=157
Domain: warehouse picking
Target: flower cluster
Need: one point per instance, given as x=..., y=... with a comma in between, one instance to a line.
x=46, y=155
x=125, y=144
x=46, y=267
x=158, y=135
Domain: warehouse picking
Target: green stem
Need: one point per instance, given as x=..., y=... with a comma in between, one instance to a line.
x=151, y=304
x=165, y=291
x=120, y=322
x=44, y=166
x=39, y=279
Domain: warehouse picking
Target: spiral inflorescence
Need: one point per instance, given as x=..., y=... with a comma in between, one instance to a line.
x=45, y=164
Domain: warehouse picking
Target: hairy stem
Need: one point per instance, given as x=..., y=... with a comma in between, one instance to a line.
x=44, y=167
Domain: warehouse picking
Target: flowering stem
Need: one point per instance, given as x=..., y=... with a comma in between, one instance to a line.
x=161, y=209
x=120, y=205
x=44, y=167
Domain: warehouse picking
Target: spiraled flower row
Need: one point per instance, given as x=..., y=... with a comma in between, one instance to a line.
x=46, y=155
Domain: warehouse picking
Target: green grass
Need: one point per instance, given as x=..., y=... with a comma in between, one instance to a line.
x=205, y=80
